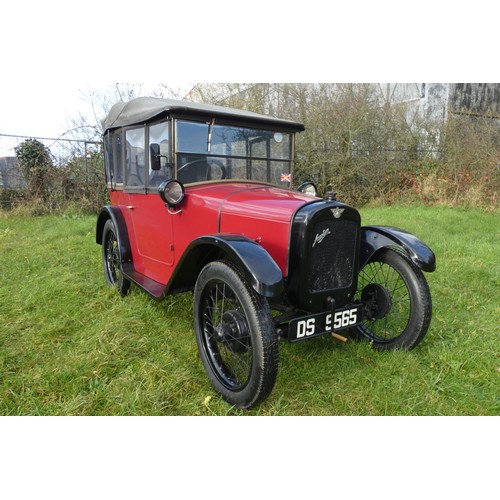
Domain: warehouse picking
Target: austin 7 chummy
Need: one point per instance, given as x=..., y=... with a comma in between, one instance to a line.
x=203, y=201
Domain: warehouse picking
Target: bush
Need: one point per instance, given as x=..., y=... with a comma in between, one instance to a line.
x=370, y=151
x=10, y=197
x=35, y=162
x=364, y=150
x=76, y=184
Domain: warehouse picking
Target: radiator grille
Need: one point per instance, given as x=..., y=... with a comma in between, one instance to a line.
x=332, y=248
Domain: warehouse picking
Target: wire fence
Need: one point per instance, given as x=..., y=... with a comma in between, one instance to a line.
x=61, y=150
x=77, y=167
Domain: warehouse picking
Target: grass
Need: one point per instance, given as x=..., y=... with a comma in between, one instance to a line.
x=71, y=346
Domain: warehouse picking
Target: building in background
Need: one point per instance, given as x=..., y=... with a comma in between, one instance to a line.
x=432, y=101
x=10, y=176
x=436, y=100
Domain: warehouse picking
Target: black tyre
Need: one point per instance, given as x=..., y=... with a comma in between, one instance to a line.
x=111, y=260
x=236, y=338
x=397, y=299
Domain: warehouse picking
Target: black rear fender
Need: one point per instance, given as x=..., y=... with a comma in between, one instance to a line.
x=115, y=214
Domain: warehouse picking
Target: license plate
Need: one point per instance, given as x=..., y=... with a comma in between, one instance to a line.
x=325, y=322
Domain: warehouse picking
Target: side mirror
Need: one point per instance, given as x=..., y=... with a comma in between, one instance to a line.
x=154, y=156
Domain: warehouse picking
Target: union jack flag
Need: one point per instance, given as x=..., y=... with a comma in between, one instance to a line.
x=286, y=177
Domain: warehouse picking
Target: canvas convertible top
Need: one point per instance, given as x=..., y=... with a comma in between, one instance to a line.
x=143, y=109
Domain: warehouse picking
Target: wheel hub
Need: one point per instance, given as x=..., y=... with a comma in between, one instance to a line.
x=234, y=330
x=377, y=301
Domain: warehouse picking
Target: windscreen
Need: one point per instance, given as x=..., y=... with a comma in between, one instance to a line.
x=208, y=151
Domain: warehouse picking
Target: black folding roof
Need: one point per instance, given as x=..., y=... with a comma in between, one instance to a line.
x=144, y=109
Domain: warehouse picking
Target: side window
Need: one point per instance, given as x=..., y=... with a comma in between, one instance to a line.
x=116, y=138
x=158, y=135
x=108, y=159
x=135, y=157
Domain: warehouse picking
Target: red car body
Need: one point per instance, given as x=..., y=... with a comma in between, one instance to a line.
x=158, y=237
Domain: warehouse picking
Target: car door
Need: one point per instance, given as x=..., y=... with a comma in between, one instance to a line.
x=152, y=222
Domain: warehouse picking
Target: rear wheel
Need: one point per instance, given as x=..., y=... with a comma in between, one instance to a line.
x=111, y=259
x=397, y=302
x=235, y=335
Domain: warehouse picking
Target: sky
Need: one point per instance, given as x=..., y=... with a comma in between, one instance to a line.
x=40, y=109
x=47, y=109
x=48, y=63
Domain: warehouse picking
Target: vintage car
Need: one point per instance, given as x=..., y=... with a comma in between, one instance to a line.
x=202, y=200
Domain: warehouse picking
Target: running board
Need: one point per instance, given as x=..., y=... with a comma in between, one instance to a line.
x=155, y=289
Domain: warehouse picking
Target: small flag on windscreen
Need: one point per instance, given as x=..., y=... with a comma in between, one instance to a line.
x=286, y=177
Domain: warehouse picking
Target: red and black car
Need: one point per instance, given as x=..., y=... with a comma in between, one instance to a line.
x=202, y=200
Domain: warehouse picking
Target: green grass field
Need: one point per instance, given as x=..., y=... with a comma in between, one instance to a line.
x=71, y=346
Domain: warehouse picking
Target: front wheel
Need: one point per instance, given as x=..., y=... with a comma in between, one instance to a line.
x=397, y=300
x=235, y=335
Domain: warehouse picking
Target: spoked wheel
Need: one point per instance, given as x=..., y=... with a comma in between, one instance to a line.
x=111, y=259
x=397, y=300
x=235, y=335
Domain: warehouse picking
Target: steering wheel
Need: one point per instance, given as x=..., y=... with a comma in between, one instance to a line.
x=214, y=161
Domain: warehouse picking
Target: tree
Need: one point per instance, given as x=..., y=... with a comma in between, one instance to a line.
x=35, y=161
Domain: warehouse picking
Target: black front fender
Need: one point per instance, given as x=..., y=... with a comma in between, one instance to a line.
x=374, y=238
x=263, y=273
